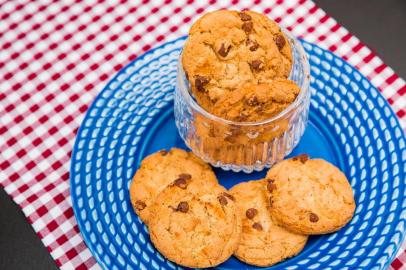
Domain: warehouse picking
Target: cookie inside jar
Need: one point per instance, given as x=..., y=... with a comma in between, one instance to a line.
x=248, y=110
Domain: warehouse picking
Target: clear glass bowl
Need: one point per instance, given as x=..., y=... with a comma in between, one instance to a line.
x=245, y=146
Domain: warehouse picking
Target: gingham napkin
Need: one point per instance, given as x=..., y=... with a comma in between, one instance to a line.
x=55, y=56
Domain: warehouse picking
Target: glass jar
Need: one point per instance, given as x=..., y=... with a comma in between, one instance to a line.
x=245, y=146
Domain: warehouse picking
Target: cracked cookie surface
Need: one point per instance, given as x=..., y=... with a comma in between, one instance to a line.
x=229, y=51
x=162, y=168
x=263, y=242
x=195, y=226
x=310, y=196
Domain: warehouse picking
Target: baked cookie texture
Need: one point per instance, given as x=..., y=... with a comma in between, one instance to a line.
x=263, y=241
x=257, y=102
x=195, y=225
x=162, y=168
x=310, y=196
x=234, y=58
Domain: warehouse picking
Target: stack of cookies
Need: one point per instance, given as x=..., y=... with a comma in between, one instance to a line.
x=237, y=64
x=195, y=222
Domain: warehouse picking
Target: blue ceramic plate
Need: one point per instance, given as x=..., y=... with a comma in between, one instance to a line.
x=351, y=125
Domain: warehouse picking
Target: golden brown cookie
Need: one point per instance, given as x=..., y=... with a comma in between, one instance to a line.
x=162, y=168
x=257, y=102
x=263, y=242
x=195, y=225
x=310, y=196
x=229, y=51
x=235, y=144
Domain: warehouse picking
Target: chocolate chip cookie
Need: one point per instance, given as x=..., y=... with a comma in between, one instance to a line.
x=162, y=168
x=257, y=102
x=195, y=225
x=263, y=241
x=310, y=196
x=230, y=51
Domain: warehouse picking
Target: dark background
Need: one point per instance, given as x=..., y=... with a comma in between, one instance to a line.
x=379, y=24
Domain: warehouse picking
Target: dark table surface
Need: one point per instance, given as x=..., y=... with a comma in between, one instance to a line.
x=379, y=24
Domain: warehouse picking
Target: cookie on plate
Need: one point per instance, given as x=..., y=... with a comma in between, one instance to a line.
x=195, y=225
x=263, y=242
x=310, y=196
x=227, y=51
x=162, y=168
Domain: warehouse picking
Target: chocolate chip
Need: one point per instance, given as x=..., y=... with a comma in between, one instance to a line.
x=163, y=152
x=244, y=16
x=280, y=41
x=257, y=226
x=181, y=183
x=252, y=101
x=223, y=50
x=257, y=65
x=252, y=44
x=231, y=197
x=270, y=201
x=303, y=158
x=247, y=26
x=140, y=205
x=182, y=180
x=185, y=176
x=251, y=213
x=200, y=82
x=222, y=200
x=271, y=187
x=183, y=207
x=313, y=217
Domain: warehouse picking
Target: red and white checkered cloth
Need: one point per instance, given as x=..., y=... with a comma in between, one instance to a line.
x=56, y=56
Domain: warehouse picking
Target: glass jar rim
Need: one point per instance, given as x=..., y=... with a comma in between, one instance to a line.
x=184, y=89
